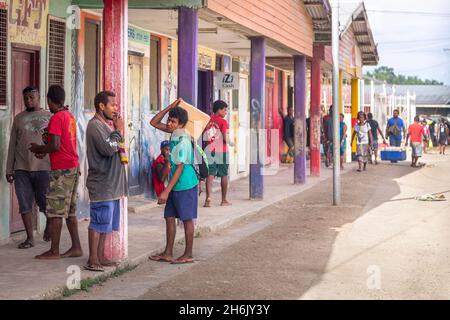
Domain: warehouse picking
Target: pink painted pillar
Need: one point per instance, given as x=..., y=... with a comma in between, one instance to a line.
x=315, y=111
x=115, y=55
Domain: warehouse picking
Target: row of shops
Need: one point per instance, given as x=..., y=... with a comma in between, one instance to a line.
x=277, y=53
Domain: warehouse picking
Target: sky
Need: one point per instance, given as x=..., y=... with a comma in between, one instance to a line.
x=412, y=43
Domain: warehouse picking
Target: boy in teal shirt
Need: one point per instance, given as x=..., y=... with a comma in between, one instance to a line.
x=180, y=195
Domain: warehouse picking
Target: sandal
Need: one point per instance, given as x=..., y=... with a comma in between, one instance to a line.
x=25, y=245
x=94, y=268
x=183, y=261
x=207, y=204
x=160, y=258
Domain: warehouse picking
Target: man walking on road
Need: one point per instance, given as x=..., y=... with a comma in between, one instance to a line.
x=106, y=180
x=30, y=174
x=62, y=196
x=416, y=132
x=375, y=127
x=442, y=136
x=395, y=128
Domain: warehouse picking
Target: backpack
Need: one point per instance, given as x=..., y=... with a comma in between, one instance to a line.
x=200, y=164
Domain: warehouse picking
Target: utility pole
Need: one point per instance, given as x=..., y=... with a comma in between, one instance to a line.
x=336, y=104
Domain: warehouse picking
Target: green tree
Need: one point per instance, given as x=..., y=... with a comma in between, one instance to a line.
x=388, y=74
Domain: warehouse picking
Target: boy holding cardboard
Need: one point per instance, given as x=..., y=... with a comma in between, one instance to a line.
x=180, y=195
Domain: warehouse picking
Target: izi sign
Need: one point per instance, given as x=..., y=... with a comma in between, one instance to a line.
x=227, y=80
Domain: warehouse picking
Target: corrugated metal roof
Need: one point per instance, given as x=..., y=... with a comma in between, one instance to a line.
x=320, y=12
x=354, y=14
x=425, y=94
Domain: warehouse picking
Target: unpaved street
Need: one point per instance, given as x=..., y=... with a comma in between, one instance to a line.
x=380, y=244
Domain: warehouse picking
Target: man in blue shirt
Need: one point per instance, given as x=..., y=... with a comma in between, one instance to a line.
x=394, y=129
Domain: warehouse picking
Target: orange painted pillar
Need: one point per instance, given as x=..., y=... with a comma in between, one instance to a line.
x=115, y=55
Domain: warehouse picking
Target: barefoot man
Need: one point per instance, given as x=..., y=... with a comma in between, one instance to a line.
x=106, y=179
x=62, y=196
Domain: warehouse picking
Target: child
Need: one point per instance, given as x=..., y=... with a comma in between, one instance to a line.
x=161, y=169
x=364, y=133
x=216, y=138
x=180, y=195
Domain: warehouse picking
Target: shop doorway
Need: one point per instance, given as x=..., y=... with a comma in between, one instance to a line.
x=134, y=118
x=25, y=72
x=205, y=91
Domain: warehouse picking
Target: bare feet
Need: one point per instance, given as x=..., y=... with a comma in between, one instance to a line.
x=225, y=203
x=207, y=203
x=73, y=253
x=49, y=255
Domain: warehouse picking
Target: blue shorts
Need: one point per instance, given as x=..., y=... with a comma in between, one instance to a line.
x=31, y=185
x=182, y=204
x=105, y=216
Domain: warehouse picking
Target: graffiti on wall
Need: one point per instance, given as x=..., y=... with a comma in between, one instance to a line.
x=28, y=21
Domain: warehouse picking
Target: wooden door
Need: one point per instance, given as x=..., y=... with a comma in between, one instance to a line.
x=134, y=117
x=25, y=72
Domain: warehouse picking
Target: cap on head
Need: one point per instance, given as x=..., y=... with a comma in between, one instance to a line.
x=164, y=144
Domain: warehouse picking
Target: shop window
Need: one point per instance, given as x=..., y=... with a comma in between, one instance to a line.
x=56, y=52
x=91, y=63
x=155, y=74
x=3, y=56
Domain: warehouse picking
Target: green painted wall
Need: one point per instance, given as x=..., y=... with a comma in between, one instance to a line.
x=145, y=4
x=58, y=8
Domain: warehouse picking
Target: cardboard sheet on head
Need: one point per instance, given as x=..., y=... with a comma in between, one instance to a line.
x=197, y=120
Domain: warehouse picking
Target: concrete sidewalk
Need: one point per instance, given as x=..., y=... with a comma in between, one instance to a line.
x=22, y=277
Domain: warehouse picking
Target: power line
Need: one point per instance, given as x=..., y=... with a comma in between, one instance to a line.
x=422, y=13
x=412, y=41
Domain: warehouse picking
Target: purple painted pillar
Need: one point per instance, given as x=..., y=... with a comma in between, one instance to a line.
x=257, y=107
x=300, y=119
x=187, y=55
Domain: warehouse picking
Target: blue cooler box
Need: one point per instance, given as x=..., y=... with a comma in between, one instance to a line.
x=399, y=155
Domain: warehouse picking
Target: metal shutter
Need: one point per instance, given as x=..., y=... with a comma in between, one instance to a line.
x=56, y=52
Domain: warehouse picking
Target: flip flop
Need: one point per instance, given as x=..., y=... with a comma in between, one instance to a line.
x=183, y=261
x=94, y=268
x=25, y=245
x=160, y=259
x=110, y=264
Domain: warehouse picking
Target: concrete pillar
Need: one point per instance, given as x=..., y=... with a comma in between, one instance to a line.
x=257, y=120
x=187, y=54
x=115, y=55
x=355, y=110
x=300, y=119
x=315, y=126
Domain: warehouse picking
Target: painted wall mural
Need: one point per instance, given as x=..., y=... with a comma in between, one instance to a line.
x=28, y=21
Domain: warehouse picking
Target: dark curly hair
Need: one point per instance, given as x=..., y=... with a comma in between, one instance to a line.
x=180, y=114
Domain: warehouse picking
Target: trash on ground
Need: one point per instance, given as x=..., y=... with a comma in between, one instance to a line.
x=431, y=197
